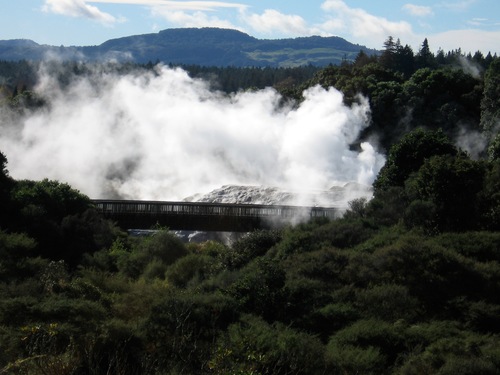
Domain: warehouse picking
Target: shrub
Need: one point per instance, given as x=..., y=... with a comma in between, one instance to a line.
x=253, y=245
x=14, y=250
x=192, y=267
x=409, y=154
x=431, y=273
x=367, y=346
x=388, y=205
x=182, y=328
x=303, y=297
x=344, y=233
x=452, y=185
x=324, y=265
x=155, y=269
x=389, y=302
x=294, y=241
x=260, y=289
x=462, y=353
x=333, y=317
x=480, y=246
x=253, y=346
x=163, y=245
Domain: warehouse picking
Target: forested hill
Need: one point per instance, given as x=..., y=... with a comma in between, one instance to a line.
x=203, y=46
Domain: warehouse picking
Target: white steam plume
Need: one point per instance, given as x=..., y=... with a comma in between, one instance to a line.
x=166, y=136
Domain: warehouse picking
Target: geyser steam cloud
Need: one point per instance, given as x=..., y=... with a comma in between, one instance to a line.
x=166, y=136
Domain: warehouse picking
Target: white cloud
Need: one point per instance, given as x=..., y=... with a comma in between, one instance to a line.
x=481, y=22
x=418, y=10
x=358, y=26
x=459, y=6
x=191, y=13
x=272, y=21
x=78, y=8
x=470, y=40
x=177, y=5
x=363, y=26
x=191, y=19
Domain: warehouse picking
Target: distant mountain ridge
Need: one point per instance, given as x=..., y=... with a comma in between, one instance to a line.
x=197, y=46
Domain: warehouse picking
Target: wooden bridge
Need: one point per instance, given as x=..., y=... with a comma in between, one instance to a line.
x=202, y=216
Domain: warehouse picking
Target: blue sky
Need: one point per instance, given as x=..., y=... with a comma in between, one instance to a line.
x=448, y=24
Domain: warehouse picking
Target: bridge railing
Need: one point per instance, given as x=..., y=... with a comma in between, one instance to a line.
x=117, y=207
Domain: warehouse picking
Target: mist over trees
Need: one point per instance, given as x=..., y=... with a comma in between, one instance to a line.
x=405, y=283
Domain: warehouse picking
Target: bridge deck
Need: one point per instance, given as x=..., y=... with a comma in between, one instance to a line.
x=206, y=216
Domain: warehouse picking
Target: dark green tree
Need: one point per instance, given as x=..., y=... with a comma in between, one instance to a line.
x=6, y=184
x=405, y=60
x=494, y=148
x=490, y=103
x=452, y=185
x=442, y=98
x=408, y=155
x=42, y=210
x=425, y=58
x=4, y=173
x=253, y=346
x=440, y=57
x=362, y=59
x=490, y=197
x=388, y=55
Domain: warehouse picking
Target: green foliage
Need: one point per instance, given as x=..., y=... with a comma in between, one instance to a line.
x=6, y=184
x=408, y=155
x=494, y=148
x=259, y=289
x=149, y=256
x=60, y=218
x=324, y=265
x=367, y=346
x=183, y=327
x=54, y=199
x=254, y=346
x=490, y=197
x=480, y=246
x=14, y=249
x=451, y=185
x=344, y=233
x=388, y=302
x=334, y=317
x=17, y=310
x=388, y=205
x=431, y=273
x=4, y=173
x=295, y=241
x=442, y=98
x=385, y=236
x=461, y=353
x=163, y=245
x=192, y=268
x=490, y=102
x=310, y=278
x=253, y=245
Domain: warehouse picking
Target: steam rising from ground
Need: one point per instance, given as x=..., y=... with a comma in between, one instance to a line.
x=166, y=136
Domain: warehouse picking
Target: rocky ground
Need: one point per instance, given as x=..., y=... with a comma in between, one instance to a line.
x=336, y=196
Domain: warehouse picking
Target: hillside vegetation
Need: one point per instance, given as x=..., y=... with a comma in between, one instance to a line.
x=196, y=46
x=406, y=283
